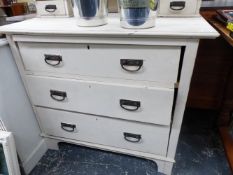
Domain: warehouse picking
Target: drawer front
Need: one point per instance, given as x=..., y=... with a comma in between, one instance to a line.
x=51, y=8
x=146, y=63
x=178, y=7
x=137, y=103
x=105, y=131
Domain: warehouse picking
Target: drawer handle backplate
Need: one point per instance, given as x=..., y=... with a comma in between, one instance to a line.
x=53, y=60
x=134, y=138
x=50, y=8
x=177, y=5
x=130, y=105
x=68, y=127
x=131, y=65
x=58, y=95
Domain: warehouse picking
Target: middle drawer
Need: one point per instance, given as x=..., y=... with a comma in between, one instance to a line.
x=137, y=103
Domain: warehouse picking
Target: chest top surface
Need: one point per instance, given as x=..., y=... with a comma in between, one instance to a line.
x=165, y=28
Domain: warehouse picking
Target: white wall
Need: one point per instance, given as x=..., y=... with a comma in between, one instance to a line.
x=217, y=3
x=15, y=108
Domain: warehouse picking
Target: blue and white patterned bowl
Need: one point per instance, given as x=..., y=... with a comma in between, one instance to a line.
x=90, y=13
x=88, y=8
x=137, y=16
x=138, y=13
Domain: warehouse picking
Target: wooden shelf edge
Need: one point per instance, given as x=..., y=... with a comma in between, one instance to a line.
x=228, y=144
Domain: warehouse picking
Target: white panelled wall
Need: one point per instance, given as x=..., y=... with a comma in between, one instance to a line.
x=217, y=3
x=16, y=111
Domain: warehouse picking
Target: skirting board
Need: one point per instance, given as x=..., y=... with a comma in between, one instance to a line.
x=35, y=156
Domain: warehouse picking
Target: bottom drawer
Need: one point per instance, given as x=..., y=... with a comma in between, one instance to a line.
x=105, y=131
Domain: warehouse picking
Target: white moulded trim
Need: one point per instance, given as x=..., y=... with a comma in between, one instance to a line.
x=35, y=156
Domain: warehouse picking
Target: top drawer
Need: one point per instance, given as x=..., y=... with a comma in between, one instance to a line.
x=144, y=63
x=54, y=8
x=179, y=7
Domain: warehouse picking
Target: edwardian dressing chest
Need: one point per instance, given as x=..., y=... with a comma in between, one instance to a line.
x=106, y=87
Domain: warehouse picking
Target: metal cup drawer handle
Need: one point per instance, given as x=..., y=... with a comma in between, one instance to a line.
x=177, y=5
x=68, y=127
x=58, y=95
x=131, y=65
x=53, y=60
x=130, y=105
x=50, y=8
x=134, y=138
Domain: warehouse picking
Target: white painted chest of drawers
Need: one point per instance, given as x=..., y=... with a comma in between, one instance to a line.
x=109, y=88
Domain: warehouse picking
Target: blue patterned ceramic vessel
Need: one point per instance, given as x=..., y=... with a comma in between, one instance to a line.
x=138, y=13
x=91, y=12
x=88, y=8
